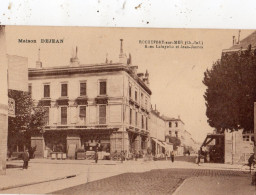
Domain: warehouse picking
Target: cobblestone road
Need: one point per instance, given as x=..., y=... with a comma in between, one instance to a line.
x=151, y=182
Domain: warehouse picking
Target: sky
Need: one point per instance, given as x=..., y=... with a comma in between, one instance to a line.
x=175, y=74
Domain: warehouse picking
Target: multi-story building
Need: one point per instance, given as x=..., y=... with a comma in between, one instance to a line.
x=106, y=104
x=174, y=127
x=157, y=134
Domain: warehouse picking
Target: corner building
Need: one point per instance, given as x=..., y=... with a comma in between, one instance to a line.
x=86, y=105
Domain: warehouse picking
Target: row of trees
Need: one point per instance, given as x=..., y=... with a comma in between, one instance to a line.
x=28, y=119
x=231, y=91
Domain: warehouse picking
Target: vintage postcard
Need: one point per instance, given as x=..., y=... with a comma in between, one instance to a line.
x=86, y=110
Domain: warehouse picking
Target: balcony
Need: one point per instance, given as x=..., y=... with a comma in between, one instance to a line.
x=101, y=99
x=44, y=102
x=62, y=101
x=136, y=104
x=131, y=101
x=82, y=100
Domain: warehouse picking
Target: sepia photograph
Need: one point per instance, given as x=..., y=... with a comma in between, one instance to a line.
x=101, y=110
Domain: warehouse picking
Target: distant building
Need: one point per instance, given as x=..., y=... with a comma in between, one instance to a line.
x=157, y=134
x=104, y=104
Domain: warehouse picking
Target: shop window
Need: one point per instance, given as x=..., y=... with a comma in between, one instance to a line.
x=103, y=88
x=47, y=91
x=64, y=89
x=63, y=115
x=102, y=114
x=83, y=89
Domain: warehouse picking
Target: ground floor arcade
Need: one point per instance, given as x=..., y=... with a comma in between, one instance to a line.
x=107, y=140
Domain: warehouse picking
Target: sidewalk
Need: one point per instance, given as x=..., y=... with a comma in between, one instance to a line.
x=68, y=173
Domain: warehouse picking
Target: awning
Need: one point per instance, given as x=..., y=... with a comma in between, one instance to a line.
x=158, y=142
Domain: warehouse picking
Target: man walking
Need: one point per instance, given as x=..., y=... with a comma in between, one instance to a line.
x=96, y=156
x=25, y=159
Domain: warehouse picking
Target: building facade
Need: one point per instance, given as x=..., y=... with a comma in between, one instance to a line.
x=87, y=105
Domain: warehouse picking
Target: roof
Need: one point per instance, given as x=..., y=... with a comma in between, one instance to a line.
x=166, y=118
x=251, y=39
x=83, y=69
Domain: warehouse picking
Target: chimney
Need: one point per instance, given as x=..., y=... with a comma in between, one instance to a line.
x=106, y=59
x=140, y=75
x=155, y=106
x=238, y=40
x=234, y=40
x=74, y=61
x=129, y=60
x=122, y=55
x=38, y=62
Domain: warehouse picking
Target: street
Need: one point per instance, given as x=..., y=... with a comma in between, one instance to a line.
x=130, y=177
x=153, y=182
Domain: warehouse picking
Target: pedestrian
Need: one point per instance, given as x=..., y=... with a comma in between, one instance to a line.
x=25, y=157
x=135, y=155
x=172, y=156
x=166, y=155
x=198, y=157
x=122, y=156
x=96, y=156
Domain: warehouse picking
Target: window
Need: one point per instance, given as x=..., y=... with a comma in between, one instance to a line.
x=46, y=115
x=102, y=114
x=63, y=115
x=170, y=124
x=82, y=89
x=130, y=116
x=30, y=89
x=136, y=96
x=246, y=138
x=130, y=91
x=142, y=99
x=47, y=90
x=176, y=124
x=146, y=123
x=176, y=133
x=146, y=102
x=103, y=87
x=82, y=113
x=170, y=133
x=142, y=122
x=136, y=118
x=64, y=89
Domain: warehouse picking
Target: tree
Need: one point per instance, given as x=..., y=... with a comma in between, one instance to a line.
x=175, y=141
x=231, y=91
x=27, y=121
